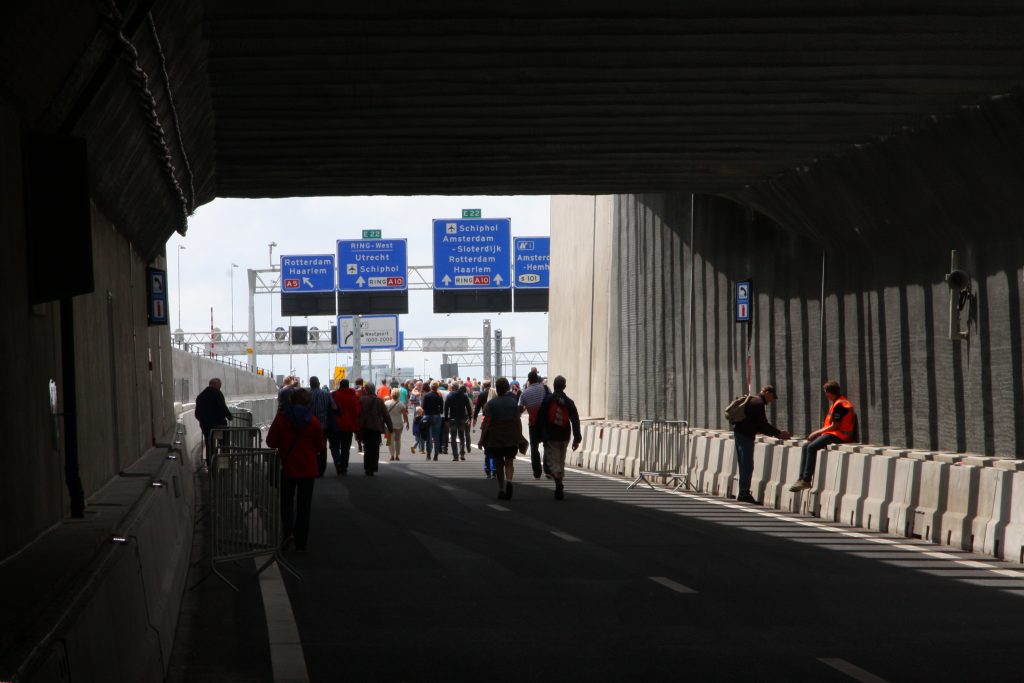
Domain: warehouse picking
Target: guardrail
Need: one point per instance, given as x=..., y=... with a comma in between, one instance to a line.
x=245, y=506
x=664, y=452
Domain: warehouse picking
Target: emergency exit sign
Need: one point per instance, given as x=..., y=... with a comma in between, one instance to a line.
x=371, y=234
x=471, y=213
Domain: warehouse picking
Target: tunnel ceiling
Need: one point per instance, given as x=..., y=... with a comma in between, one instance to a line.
x=403, y=97
x=583, y=97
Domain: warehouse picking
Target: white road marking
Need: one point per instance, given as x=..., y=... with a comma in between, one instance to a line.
x=894, y=543
x=286, y=658
x=446, y=487
x=499, y=508
x=672, y=585
x=566, y=537
x=851, y=670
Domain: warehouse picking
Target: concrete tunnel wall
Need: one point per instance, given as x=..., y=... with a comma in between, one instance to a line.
x=122, y=368
x=886, y=312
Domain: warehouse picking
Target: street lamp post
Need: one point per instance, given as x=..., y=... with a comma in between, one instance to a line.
x=233, y=266
x=272, y=245
x=181, y=247
x=425, y=367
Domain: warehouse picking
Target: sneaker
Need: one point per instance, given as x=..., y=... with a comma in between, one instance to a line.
x=559, y=494
x=508, y=490
x=435, y=458
x=462, y=457
x=502, y=495
x=747, y=498
x=413, y=450
x=455, y=459
x=800, y=485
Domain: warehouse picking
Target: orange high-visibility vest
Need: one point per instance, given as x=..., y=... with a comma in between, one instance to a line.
x=844, y=429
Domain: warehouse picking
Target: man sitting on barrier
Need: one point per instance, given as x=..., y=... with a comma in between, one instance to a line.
x=754, y=421
x=297, y=436
x=840, y=427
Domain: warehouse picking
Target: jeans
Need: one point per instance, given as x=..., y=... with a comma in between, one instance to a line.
x=433, y=435
x=458, y=429
x=809, y=454
x=295, y=518
x=744, y=460
x=341, y=444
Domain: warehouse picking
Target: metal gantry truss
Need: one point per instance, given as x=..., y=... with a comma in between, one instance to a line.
x=468, y=351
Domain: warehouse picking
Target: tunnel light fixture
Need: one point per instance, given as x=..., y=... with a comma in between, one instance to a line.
x=119, y=540
x=172, y=456
x=158, y=484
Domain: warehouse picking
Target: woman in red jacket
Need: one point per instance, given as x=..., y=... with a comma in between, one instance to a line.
x=297, y=436
x=347, y=401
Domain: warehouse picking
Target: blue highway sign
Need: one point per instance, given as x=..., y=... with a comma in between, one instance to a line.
x=301, y=274
x=373, y=265
x=532, y=257
x=472, y=253
x=743, y=301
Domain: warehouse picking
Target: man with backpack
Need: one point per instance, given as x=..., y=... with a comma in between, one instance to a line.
x=747, y=415
x=557, y=420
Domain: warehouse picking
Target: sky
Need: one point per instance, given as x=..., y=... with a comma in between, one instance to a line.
x=238, y=231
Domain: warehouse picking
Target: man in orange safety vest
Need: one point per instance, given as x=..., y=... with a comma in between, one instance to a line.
x=840, y=427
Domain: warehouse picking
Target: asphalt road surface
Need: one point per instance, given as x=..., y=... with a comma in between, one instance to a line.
x=421, y=574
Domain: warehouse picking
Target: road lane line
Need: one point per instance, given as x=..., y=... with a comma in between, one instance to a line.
x=672, y=585
x=286, y=658
x=567, y=537
x=851, y=670
x=499, y=508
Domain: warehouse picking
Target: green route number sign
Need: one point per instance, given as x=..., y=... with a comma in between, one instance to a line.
x=371, y=234
x=471, y=213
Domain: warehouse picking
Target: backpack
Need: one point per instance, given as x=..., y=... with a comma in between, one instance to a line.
x=736, y=411
x=558, y=413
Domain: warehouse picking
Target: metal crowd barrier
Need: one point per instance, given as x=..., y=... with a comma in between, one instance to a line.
x=222, y=438
x=664, y=452
x=240, y=417
x=245, y=506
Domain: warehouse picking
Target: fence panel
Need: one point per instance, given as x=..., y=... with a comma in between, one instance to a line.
x=664, y=452
x=245, y=505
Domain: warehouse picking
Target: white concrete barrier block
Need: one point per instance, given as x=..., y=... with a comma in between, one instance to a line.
x=895, y=452
x=921, y=455
x=1013, y=537
x=764, y=459
x=851, y=501
x=879, y=493
x=846, y=447
x=950, y=458
x=788, y=500
x=771, y=496
x=994, y=498
x=709, y=482
x=829, y=484
x=699, y=451
x=931, y=503
x=905, y=493
x=1013, y=465
x=631, y=452
x=956, y=523
x=728, y=476
x=978, y=460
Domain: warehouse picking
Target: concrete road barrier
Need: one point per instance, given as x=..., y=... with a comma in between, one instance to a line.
x=994, y=499
x=881, y=477
x=829, y=483
x=709, y=481
x=905, y=491
x=727, y=478
x=957, y=521
x=851, y=501
x=701, y=455
x=1013, y=537
x=788, y=500
x=785, y=461
x=931, y=504
x=764, y=457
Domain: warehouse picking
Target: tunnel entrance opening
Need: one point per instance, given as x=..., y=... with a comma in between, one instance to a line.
x=291, y=271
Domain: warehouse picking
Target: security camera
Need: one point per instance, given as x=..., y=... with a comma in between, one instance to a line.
x=958, y=280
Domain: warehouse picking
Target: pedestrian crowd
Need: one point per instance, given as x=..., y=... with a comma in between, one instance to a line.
x=312, y=422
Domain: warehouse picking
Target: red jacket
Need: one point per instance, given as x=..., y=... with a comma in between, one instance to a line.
x=347, y=401
x=297, y=445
